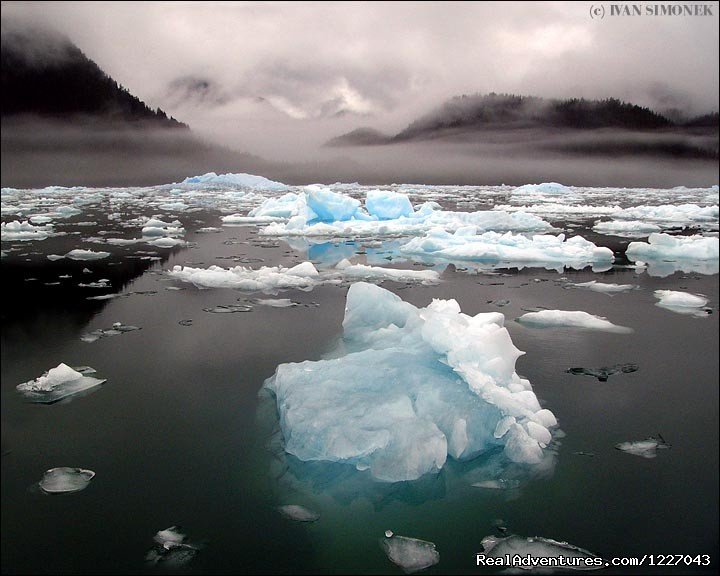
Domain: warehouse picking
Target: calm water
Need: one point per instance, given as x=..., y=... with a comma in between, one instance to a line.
x=178, y=434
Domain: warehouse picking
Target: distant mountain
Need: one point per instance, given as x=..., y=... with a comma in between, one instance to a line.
x=705, y=121
x=511, y=111
x=45, y=74
x=360, y=137
x=476, y=114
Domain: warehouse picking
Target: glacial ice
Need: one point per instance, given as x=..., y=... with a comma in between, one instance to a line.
x=644, y=448
x=670, y=213
x=23, y=231
x=387, y=205
x=365, y=408
x=298, y=513
x=570, y=319
x=171, y=549
x=682, y=302
x=117, y=329
x=79, y=254
x=276, y=302
x=466, y=244
x=362, y=272
x=329, y=206
x=666, y=247
x=411, y=554
x=626, y=227
x=537, y=547
x=605, y=288
x=544, y=188
x=167, y=242
x=64, y=479
x=302, y=276
x=157, y=227
x=58, y=383
x=240, y=180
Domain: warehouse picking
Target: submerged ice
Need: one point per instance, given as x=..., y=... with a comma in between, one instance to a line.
x=461, y=398
x=411, y=554
x=64, y=479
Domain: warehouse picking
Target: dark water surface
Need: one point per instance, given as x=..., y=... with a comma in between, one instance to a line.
x=179, y=436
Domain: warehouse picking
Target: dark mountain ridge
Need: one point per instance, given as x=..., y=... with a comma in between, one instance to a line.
x=45, y=74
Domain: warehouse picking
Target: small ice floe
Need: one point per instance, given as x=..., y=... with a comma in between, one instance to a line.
x=304, y=276
x=410, y=554
x=102, y=283
x=276, y=302
x=171, y=550
x=499, y=484
x=117, y=329
x=208, y=230
x=228, y=309
x=605, y=288
x=666, y=247
x=605, y=372
x=62, y=480
x=58, y=383
x=186, y=322
x=167, y=242
x=645, y=448
x=570, y=319
x=156, y=227
x=79, y=254
x=538, y=548
x=298, y=513
x=378, y=273
x=626, y=228
x=23, y=231
x=682, y=302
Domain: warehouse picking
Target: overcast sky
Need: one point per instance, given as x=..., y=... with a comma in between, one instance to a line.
x=377, y=64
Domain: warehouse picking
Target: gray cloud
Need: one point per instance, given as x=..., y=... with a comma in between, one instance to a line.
x=282, y=77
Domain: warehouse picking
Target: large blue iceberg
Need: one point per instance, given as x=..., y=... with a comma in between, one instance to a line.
x=410, y=387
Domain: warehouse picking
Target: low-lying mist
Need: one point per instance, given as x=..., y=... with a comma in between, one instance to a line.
x=37, y=153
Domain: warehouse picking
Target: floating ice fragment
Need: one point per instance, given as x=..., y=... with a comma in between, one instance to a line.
x=79, y=254
x=23, y=231
x=667, y=247
x=682, y=302
x=500, y=484
x=276, y=302
x=465, y=244
x=605, y=288
x=626, y=228
x=367, y=409
x=298, y=513
x=387, y=205
x=537, y=547
x=544, y=188
x=167, y=242
x=60, y=480
x=265, y=279
x=228, y=309
x=410, y=554
x=56, y=384
x=363, y=272
x=117, y=328
x=605, y=372
x=570, y=319
x=240, y=180
x=644, y=448
x=171, y=549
